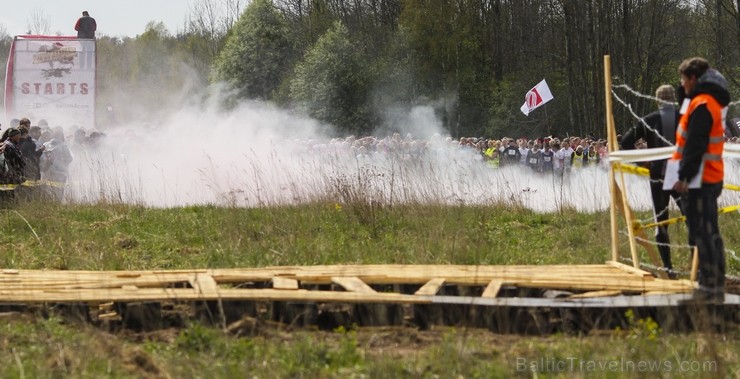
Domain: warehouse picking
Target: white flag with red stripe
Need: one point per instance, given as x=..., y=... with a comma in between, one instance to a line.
x=537, y=96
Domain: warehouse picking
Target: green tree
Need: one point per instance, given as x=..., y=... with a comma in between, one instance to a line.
x=333, y=83
x=257, y=54
x=454, y=60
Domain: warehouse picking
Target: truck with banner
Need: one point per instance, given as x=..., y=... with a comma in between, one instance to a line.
x=52, y=78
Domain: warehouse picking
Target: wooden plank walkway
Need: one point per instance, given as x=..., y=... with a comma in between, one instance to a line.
x=591, y=284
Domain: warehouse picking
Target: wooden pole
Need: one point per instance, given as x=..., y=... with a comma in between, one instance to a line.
x=612, y=146
x=694, y=264
x=615, y=191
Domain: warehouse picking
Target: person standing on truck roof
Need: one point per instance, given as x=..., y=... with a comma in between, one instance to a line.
x=86, y=26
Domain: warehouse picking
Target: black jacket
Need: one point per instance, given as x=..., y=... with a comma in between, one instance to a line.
x=14, y=160
x=652, y=135
x=86, y=27
x=511, y=155
x=31, y=157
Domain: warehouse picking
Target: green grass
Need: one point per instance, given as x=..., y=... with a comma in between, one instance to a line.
x=117, y=237
x=128, y=237
x=51, y=348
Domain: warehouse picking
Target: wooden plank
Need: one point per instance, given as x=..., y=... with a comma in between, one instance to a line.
x=431, y=287
x=280, y=283
x=112, y=316
x=203, y=283
x=624, y=281
x=492, y=289
x=616, y=280
x=688, y=283
x=48, y=284
x=238, y=294
x=353, y=284
x=627, y=286
x=186, y=294
x=606, y=293
x=630, y=269
x=370, y=274
x=412, y=274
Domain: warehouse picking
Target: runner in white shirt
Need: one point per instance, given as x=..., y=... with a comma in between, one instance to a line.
x=523, y=150
x=566, y=151
x=558, y=159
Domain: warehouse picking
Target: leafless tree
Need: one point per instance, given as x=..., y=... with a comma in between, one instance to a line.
x=38, y=23
x=212, y=19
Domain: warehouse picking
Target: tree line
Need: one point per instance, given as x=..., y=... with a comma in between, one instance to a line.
x=358, y=64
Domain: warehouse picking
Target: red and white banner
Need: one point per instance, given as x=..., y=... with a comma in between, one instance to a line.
x=52, y=78
x=537, y=96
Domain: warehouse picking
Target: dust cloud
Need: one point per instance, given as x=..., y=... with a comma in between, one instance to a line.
x=259, y=155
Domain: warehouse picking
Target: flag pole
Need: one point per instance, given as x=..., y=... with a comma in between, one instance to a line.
x=547, y=121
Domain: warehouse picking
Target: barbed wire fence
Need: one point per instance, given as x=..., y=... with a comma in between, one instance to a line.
x=639, y=119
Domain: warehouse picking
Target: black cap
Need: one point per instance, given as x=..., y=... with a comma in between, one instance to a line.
x=84, y=13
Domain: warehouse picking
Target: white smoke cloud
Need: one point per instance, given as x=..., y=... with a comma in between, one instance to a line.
x=258, y=154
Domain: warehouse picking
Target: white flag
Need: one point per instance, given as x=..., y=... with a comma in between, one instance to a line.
x=537, y=96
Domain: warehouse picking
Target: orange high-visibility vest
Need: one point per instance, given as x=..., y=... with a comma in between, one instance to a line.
x=714, y=168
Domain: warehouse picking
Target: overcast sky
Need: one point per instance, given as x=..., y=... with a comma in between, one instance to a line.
x=114, y=17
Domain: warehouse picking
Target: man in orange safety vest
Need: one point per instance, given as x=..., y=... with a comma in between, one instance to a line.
x=699, y=143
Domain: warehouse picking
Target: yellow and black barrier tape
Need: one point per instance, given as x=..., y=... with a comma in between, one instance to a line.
x=636, y=225
x=637, y=170
x=31, y=183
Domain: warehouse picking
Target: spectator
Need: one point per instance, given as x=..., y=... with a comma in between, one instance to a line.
x=523, y=151
x=592, y=158
x=55, y=161
x=14, y=157
x=567, y=153
x=534, y=158
x=547, y=159
x=24, y=123
x=494, y=160
x=559, y=158
x=511, y=154
x=578, y=159
x=86, y=26
x=31, y=152
x=659, y=130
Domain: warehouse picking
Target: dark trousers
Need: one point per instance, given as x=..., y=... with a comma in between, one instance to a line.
x=700, y=207
x=661, y=198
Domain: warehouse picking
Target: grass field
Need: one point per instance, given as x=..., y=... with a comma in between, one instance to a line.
x=123, y=237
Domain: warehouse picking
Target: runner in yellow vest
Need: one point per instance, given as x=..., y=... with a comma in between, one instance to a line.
x=578, y=158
